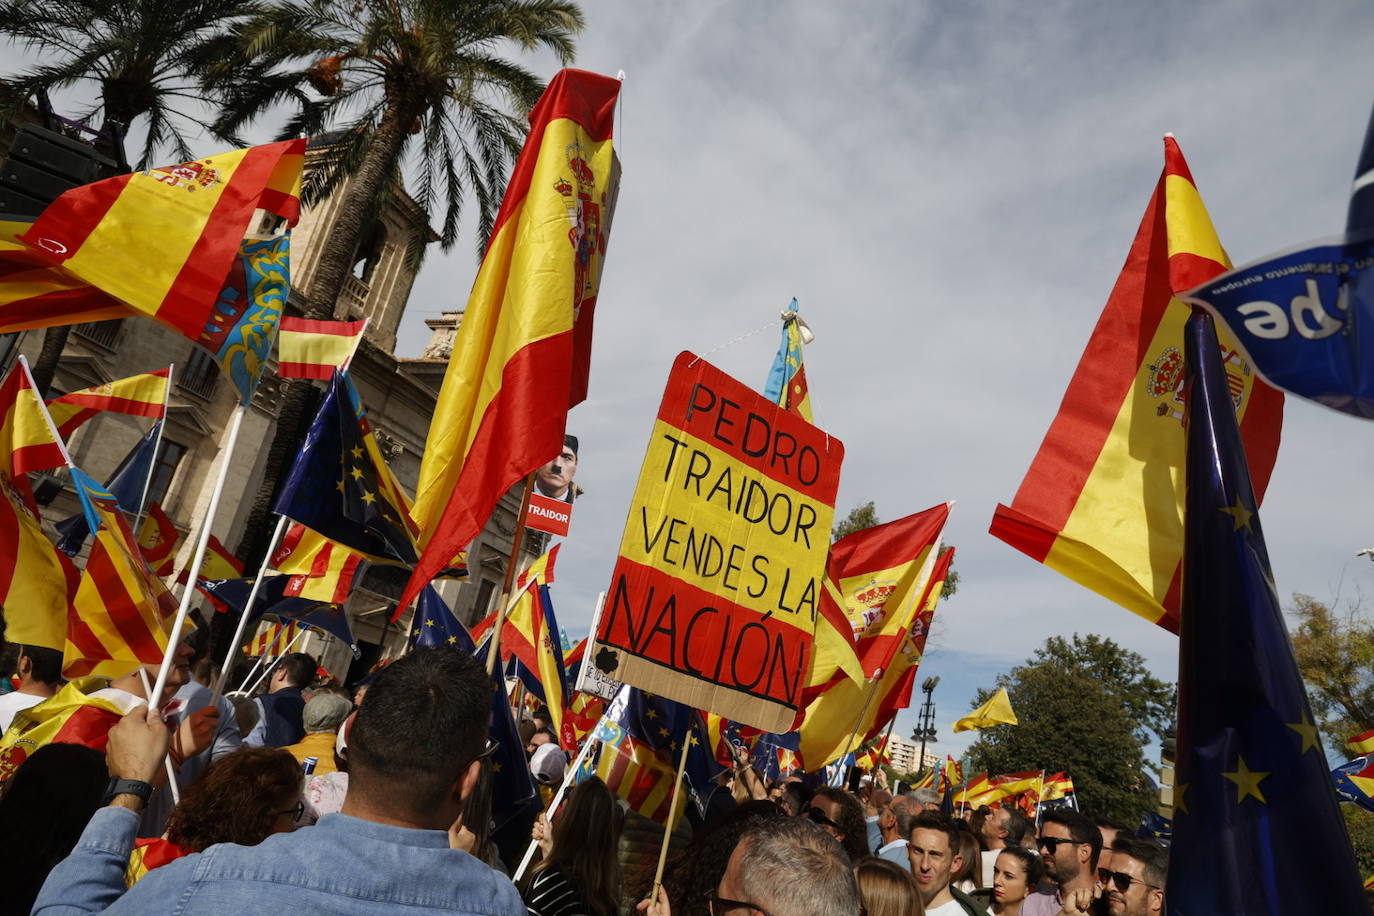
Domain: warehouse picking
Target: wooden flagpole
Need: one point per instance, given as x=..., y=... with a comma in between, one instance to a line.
x=248, y=608
x=672, y=815
x=198, y=559
x=494, y=648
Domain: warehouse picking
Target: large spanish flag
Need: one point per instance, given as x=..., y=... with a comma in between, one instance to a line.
x=158, y=244
x=142, y=395
x=36, y=580
x=519, y=359
x=1102, y=502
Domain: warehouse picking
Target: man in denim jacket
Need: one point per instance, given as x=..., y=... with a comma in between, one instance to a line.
x=414, y=756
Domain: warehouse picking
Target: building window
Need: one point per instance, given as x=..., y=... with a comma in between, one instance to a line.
x=201, y=375
x=168, y=457
x=102, y=333
x=484, y=593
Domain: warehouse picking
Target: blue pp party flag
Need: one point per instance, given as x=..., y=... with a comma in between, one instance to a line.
x=1257, y=828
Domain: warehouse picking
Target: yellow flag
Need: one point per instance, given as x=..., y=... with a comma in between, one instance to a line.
x=996, y=711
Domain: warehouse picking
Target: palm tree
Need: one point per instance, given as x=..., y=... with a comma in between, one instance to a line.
x=419, y=86
x=145, y=56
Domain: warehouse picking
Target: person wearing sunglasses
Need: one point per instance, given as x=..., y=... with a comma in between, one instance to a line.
x=1132, y=876
x=842, y=815
x=1069, y=844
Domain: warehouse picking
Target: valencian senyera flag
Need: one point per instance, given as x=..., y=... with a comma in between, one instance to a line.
x=179, y=227
x=1256, y=824
x=142, y=395
x=1102, y=502
x=786, y=385
x=119, y=618
x=522, y=353
x=36, y=581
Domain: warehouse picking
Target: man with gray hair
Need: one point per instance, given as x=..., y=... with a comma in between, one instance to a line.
x=926, y=799
x=782, y=866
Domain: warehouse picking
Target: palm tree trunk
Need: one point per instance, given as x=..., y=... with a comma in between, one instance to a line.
x=297, y=399
x=54, y=342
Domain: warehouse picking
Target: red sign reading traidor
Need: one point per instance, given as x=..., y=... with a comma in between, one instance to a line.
x=546, y=514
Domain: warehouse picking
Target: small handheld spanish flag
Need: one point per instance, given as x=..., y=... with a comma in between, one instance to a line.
x=1361, y=744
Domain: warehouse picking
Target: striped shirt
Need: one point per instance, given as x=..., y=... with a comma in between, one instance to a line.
x=552, y=894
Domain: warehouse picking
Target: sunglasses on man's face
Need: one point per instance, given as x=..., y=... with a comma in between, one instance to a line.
x=1052, y=843
x=817, y=816
x=1120, y=879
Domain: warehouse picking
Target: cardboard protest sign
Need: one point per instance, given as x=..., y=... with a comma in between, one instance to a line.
x=714, y=596
x=591, y=679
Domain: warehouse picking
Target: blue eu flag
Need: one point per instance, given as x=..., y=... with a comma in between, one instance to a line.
x=436, y=627
x=1256, y=827
x=664, y=725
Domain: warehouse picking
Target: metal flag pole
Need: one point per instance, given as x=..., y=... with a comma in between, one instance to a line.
x=248, y=607
x=557, y=800
x=507, y=599
x=202, y=543
x=269, y=651
x=300, y=632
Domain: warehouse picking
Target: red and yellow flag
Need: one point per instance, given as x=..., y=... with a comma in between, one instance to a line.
x=320, y=569
x=180, y=227
x=119, y=618
x=36, y=580
x=272, y=638
x=1102, y=502
x=136, y=396
x=1361, y=744
x=157, y=537
x=307, y=348
x=521, y=354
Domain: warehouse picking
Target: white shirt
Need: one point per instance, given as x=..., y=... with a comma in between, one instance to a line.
x=989, y=865
x=11, y=704
x=946, y=909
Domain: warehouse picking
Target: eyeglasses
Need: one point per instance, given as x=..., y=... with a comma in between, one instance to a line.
x=1120, y=879
x=719, y=906
x=817, y=816
x=296, y=813
x=1052, y=843
x=490, y=748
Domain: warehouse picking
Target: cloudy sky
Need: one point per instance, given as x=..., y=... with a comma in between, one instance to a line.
x=949, y=189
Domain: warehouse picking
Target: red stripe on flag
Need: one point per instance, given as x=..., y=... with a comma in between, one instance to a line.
x=78, y=214
x=305, y=370
x=201, y=278
x=119, y=604
x=313, y=326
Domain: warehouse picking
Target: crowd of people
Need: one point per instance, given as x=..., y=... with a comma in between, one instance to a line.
x=307, y=797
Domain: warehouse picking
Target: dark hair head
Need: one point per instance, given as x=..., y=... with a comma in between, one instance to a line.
x=934, y=820
x=1031, y=864
x=885, y=888
x=238, y=799
x=570, y=442
x=47, y=664
x=850, y=821
x=798, y=795
x=300, y=669
x=1080, y=826
x=423, y=722
x=44, y=809
x=793, y=866
x=1150, y=853
x=586, y=846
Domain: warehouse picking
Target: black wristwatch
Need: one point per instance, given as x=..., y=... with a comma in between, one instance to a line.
x=142, y=790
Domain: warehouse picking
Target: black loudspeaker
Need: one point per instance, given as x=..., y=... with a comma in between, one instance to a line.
x=41, y=165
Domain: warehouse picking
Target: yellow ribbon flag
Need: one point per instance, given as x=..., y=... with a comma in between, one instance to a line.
x=996, y=711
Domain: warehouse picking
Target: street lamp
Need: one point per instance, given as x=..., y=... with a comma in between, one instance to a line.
x=925, y=730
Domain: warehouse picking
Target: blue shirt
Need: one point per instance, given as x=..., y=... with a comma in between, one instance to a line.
x=342, y=865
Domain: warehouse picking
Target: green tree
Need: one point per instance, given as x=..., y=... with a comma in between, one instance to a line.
x=1090, y=708
x=1335, y=652
x=419, y=83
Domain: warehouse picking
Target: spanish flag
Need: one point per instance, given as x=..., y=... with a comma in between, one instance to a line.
x=142, y=395
x=531, y=635
x=313, y=349
x=119, y=618
x=1361, y=744
x=179, y=226
x=1102, y=502
x=157, y=538
x=521, y=354
x=36, y=580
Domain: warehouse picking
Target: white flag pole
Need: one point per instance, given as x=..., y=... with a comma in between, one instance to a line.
x=301, y=631
x=198, y=559
x=248, y=608
x=157, y=447
x=557, y=800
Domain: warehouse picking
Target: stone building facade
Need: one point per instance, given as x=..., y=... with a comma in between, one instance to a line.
x=399, y=394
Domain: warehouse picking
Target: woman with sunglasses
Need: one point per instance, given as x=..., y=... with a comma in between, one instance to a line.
x=1015, y=875
x=241, y=798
